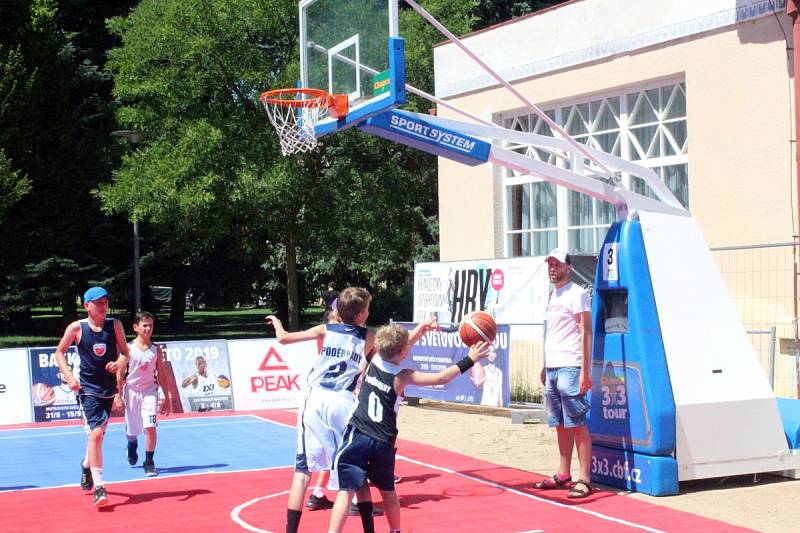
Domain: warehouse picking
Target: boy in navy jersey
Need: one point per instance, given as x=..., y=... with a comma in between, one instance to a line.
x=103, y=350
x=368, y=446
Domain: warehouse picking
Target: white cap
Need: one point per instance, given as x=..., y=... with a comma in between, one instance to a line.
x=559, y=255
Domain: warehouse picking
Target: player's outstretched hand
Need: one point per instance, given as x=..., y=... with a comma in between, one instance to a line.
x=112, y=367
x=431, y=324
x=273, y=321
x=479, y=350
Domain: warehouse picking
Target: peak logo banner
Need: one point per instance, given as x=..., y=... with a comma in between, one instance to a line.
x=269, y=375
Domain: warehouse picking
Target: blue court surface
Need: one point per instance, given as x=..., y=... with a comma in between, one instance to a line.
x=42, y=457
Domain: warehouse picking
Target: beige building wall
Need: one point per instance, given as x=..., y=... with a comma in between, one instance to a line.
x=738, y=90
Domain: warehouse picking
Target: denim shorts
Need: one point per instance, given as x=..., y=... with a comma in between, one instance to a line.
x=566, y=406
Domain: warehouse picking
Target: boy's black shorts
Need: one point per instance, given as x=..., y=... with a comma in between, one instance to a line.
x=95, y=410
x=361, y=457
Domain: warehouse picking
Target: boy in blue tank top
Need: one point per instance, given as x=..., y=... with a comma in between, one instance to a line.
x=103, y=350
x=368, y=445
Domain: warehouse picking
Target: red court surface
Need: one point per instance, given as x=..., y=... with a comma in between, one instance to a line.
x=440, y=492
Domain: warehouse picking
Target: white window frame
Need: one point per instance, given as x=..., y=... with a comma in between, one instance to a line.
x=507, y=179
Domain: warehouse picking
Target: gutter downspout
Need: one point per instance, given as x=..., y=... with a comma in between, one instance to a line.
x=793, y=10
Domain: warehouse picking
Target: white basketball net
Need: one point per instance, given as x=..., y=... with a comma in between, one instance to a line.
x=295, y=125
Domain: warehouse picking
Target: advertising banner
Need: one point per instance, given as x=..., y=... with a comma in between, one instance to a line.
x=52, y=399
x=199, y=374
x=514, y=290
x=15, y=390
x=511, y=290
x=269, y=375
x=485, y=384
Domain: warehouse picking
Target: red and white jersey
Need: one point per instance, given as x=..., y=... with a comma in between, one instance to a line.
x=142, y=369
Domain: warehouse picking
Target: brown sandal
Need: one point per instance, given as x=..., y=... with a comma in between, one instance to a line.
x=551, y=483
x=580, y=492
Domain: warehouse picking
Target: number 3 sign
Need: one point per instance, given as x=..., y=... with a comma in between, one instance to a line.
x=609, y=260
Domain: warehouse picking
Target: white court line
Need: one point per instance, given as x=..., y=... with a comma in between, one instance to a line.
x=532, y=497
x=118, y=426
x=273, y=421
x=156, y=478
x=166, y=419
x=236, y=510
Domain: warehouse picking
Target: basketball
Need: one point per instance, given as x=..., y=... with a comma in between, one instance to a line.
x=477, y=326
x=43, y=395
x=223, y=381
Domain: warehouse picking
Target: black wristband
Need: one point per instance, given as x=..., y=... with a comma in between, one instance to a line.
x=465, y=364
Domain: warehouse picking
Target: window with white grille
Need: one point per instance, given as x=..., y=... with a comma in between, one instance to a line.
x=647, y=125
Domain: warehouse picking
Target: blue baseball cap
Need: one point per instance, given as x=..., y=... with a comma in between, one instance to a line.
x=95, y=293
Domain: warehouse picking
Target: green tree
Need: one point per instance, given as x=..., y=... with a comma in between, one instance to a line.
x=489, y=12
x=210, y=173
x=190, y=79
x=55, y=115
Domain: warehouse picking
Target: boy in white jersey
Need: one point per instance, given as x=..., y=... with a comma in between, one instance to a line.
x=141, y=391
x=330, y=387
x=368, y=447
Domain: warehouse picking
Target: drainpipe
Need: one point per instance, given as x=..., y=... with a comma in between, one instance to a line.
x=793, y=10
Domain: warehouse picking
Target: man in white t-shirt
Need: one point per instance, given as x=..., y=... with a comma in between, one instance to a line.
x=567, y=374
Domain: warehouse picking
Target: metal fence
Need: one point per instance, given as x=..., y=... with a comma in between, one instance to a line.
x=760, y=281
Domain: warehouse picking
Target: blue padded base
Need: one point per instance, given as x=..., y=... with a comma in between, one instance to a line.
x=649, y=474
x=790, y=418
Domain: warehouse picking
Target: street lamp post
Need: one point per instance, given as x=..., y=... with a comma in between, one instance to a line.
x=133, y=137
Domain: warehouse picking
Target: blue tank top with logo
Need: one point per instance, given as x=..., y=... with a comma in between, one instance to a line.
x=96, y=349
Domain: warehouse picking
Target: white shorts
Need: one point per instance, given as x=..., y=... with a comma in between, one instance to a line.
x=320, y=426
x=141, y=409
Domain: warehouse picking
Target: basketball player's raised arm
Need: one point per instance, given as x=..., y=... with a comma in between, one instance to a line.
x=421, y=328
x=478, y=351
x=71, y=334
x=286, y=337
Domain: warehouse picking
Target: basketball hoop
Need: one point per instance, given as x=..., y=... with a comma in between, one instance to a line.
x=295, y=112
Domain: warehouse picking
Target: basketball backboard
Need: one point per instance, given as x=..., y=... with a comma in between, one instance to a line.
x=352, y=47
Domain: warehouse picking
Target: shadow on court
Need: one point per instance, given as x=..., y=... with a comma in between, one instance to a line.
x=418, y=479
x=145, y=497
x=414, y=501
x=186, y=468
